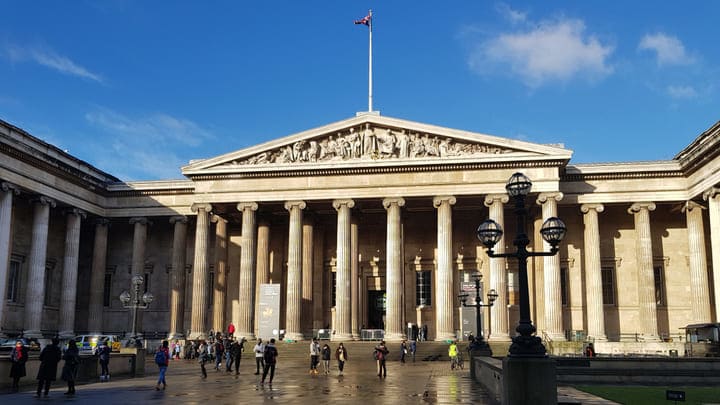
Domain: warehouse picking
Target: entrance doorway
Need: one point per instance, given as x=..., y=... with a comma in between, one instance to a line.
x=376, y=309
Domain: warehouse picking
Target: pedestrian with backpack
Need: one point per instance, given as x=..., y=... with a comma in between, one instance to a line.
x=103, y=353
x=270, y=358
x=162, y=359
x=219, y=352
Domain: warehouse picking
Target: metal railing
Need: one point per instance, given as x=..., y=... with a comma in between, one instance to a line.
x=372, y=334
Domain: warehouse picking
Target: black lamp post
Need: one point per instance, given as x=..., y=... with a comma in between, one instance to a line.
x=136, y=301
x=481, y=345
x=553, y=230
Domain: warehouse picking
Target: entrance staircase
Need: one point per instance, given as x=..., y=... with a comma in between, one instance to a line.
x=357, y=350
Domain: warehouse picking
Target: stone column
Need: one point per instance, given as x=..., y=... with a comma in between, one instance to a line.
x=306, y=317
x=35, y=293
x=499, y=322
x=393, y=272
x=246, y=298
x=342, y=289
x=198, y=319
x=262, y=273
x=551, y=273
x=220, y=280
x=354, y=280
x=177, y=278
x=444, y=282
x=712, y=196
x=294, y=275
x=699, y=285
x=70, y=271
x=647, y=304
x=97, y=276
x=593, y=273
x=138, y=262
x=319, y=292
x=6, y=196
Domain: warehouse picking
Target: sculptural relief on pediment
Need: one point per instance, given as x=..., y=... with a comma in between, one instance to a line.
x=370, y=143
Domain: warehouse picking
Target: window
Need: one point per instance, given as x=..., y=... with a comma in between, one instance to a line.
x=659, y=286
x=52, y=297
x=146, y=283
x=423, y=288
x=564, y=285
x=107, y=289
x=608, y=285
x=13, y=289
x=211, y=288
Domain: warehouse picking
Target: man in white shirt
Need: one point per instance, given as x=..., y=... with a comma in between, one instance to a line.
x=259, y=349
x=314, y=356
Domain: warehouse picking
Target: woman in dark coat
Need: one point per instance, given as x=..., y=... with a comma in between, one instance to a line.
x=49, y=359
x=18, y=358
x=70, y=368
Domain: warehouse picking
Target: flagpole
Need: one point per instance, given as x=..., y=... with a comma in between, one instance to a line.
x=370, y=108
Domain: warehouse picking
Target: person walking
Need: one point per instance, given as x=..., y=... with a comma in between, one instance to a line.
x=270, y=356
x=325, y=351
x=236, y=350
x=314, y=356
x=18, y=358
x=341, y=355
x=203, y=357
x=70, y=368
x=453, y=354
x=403, y=350
x=162, y=359
x=413, y=349
x=381, y=353
x=259, y=349
x=219, y=352
x=47, y=373
x=103, y=353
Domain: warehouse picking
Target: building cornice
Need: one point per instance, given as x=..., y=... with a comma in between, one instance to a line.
x=622, y=171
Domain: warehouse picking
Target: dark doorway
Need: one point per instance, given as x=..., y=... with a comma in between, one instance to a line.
x=376, y=309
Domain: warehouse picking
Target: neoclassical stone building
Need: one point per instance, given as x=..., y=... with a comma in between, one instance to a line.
x=366, y=223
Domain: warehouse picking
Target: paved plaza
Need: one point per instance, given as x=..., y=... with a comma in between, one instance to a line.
x=421, y=382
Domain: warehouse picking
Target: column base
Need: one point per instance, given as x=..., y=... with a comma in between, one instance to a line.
x=33, y=334
x=197, y=336
x=444, y=337
x=355, y=336
x=500, y=337
x=556, y=336
x=341, y=337
x=394, y=337
x=176, y=336
x=598, y=338
x=294, y=336
x=246, y=335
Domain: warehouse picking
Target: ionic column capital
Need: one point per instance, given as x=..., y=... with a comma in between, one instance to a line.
x=196, y=207
x=339, y=203
x=76, y=211
x=247, y=205
x=387, y=202
x=5, y=186
x=710, y=193
x=691, y=205
x=585, y=208
x=298, y=203
x=491, y=199
x=179, y=218
x=542, y=198
x=450, y=199
x=639, y=206
x=45, y=201
x=139, y=220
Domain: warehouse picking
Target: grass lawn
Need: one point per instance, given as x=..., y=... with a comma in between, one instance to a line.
x=639, y=395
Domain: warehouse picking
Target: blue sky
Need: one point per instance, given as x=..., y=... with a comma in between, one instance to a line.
x=139, y=88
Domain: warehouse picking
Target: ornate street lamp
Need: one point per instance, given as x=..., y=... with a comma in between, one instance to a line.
x=136, y=301
x=553, y=230
x=481, y=346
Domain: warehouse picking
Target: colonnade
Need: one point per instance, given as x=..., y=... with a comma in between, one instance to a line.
x=302, y=280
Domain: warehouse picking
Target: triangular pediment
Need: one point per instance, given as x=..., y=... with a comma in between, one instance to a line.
x=372, y=140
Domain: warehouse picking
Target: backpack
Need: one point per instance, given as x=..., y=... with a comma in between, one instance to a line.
x=160, y=358
x=269, y=355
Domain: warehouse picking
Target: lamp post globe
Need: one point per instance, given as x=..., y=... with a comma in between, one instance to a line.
x=553, y=231
x=518, y=185
x=489, y=232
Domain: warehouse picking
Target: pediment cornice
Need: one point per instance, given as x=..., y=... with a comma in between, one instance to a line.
x=370, y=141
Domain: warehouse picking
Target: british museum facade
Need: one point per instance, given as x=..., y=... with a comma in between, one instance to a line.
x=366, y=224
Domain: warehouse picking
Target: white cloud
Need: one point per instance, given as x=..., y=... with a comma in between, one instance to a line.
x=552, y=51
x=682, y=92
x=510, y=14
x=668, y=49
x=148, y=147
x=51, y=59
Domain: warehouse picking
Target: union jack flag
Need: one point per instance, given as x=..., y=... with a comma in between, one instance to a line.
x=365, y=20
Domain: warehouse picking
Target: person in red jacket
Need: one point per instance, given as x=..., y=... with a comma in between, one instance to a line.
x=231, y=330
